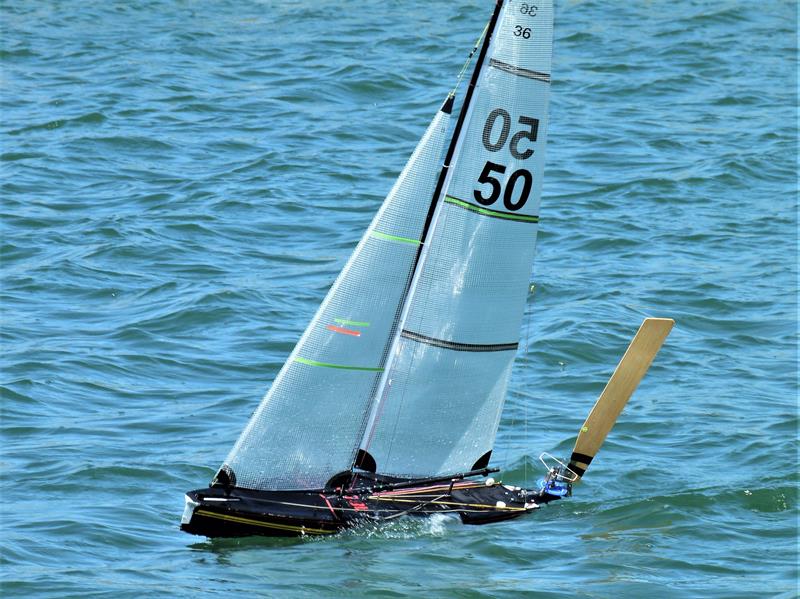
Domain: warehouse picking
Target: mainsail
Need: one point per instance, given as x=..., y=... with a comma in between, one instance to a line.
x=443, y=398
x=409, y=355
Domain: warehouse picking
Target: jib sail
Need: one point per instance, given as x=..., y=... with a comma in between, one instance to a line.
x=309, y=425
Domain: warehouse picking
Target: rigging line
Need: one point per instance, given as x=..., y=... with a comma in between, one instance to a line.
x=508, y=508
x=433, y=489
x=308, y=505
x=252, y=522
x=529, y=318
x=469, y=59
x=457, y=510
x=454, y=140
x=415, y=508
x=405, y=499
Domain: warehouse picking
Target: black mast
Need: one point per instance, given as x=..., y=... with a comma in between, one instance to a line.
x=456, y=133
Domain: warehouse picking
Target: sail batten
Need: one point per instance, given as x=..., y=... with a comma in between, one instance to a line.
x=522, y=72
x=388, y=237
x=526, y=218
x=474, y=347
x=308, y=362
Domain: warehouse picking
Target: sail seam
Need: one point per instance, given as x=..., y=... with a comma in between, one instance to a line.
x=475, y=347
x=352, y=323
x=388, y=237
x=528, y=73
x=308, y=362
x=487, y=212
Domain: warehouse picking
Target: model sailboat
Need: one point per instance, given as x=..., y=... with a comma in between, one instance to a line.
x=390, y=402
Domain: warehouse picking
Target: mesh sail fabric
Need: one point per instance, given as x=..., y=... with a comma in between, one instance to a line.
x=309, y=425
x=447, y=385
x=428, y=429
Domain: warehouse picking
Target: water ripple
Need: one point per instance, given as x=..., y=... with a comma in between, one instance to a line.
x=181, y=183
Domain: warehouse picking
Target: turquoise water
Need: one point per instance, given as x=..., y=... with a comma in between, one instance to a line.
x=181, y=182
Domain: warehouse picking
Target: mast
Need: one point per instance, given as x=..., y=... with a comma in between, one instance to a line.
x=445, y=175
x=455, y=139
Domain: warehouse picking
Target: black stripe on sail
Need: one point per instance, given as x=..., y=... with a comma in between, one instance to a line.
x=510, y=68
x=458, y=346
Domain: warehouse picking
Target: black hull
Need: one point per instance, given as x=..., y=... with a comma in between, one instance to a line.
x=217, y=512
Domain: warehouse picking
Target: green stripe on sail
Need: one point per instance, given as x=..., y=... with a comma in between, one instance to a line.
x=388, y=237
x=486, y=212
x=340, y=366
x=352, y=323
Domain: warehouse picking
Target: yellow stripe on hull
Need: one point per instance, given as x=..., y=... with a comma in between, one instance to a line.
x=240, y=520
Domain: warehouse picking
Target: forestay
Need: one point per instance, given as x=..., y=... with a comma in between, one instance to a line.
x=441, y=404
x=309, y=425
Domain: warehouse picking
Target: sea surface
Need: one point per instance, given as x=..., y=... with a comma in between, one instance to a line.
x=183, y=180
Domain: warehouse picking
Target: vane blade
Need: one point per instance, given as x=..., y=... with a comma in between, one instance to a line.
x=630, y=370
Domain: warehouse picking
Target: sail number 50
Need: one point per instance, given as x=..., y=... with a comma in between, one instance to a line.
x=508, y=196
x=489, y=168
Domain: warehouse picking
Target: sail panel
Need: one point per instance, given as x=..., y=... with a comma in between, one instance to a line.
x=475, y=281
x=428, y=430
x=282, y=447
x=353, y=325
x=531, y=50
x=309, y=425
x=472, y=284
